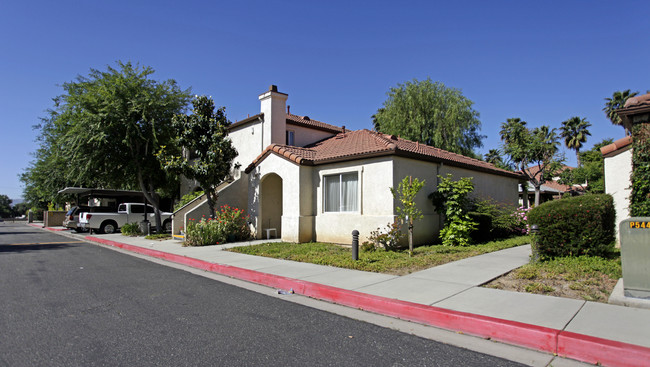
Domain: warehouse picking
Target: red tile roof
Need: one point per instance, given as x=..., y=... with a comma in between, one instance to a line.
x=294, y=120
x=637, y=101
x=534, y=171
x=360, y=144
x=619, y=144
x=308, y=122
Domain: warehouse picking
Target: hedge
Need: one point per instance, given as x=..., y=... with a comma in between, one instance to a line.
x=580, y=225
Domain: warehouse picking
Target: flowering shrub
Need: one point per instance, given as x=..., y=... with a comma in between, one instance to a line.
x=388, y=239
x=204, y=233
x=230, y=225
x=235, y=223
x=520, y=225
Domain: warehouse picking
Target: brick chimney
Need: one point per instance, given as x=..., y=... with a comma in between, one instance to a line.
x=273, y=105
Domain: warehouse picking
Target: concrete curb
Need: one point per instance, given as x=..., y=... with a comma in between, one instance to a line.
x=581, y=347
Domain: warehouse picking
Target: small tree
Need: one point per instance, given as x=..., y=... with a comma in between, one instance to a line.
x=451, y=200
x=408, y=212
x=204, y=136
x=538, y=147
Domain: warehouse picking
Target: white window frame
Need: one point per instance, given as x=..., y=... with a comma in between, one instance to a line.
x=340, y=175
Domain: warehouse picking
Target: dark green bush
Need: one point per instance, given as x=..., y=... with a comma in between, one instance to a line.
x=496, y=220
x=483, y=232
x=581, y=225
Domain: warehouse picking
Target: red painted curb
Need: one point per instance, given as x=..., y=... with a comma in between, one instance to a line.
x=566, y=344
x=600, y=351
x=48, y=228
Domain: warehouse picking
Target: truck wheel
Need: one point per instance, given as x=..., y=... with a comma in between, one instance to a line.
x=167, y=226
x=108, y=227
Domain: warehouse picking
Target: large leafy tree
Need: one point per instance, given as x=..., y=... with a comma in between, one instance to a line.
x=5, y=206
x=109, y=126
x=49, y=172
x=431, y=113
x=209, y=152
x=528, y=148
x=617, y=101
x=575, y=132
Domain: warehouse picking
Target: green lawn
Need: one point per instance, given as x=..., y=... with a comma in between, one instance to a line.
x=389, y=262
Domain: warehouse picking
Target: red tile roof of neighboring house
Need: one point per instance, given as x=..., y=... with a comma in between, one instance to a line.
x=360, y=144
x=619, y=144
x=550, y=183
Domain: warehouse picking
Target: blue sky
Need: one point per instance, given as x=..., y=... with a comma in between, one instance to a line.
x=541, y=61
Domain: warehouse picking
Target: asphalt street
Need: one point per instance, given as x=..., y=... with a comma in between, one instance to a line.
x=64, y=302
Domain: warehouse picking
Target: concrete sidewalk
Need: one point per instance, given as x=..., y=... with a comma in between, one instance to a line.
x=447, y=296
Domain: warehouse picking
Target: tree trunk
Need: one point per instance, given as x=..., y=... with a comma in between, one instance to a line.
x=537, y=193
x=524, y=194
x=212, y=197
x=410, y=237
x=151, y=197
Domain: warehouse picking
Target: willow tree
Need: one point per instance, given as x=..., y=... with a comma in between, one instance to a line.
x=431, y=113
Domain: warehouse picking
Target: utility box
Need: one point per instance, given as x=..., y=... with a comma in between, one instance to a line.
x=635, y=256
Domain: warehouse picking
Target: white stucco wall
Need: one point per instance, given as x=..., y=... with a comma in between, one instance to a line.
x=374, y=201
x=292, y=199
x=247, y=140
x=618, y=169
x=501, y=189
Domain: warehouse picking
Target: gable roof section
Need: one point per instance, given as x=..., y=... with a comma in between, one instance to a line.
x=296, y=120
x=615, y=147
x=246, y=120
x=307, y=122
x=361, y=144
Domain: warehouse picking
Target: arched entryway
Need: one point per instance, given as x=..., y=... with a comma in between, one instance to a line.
x=271, y=205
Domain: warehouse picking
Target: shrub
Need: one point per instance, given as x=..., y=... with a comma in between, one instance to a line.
x=204, y=233
x=131, y=229
x=230, y=225
x=387, y=239
x=581, y=225
x=496, y=221
x=235, y=223
x=451, y=199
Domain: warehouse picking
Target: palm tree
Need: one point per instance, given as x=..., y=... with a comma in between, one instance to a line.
x=617, y=101
x=493, y=156
x=574, y=131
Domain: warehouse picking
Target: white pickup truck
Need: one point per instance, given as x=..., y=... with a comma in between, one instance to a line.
x=126, y=213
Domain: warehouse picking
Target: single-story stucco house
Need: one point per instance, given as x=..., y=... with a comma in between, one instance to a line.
x=305, y=180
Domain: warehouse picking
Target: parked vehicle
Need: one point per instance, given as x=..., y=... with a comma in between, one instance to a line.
x=72, y=217
x=126, y=213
